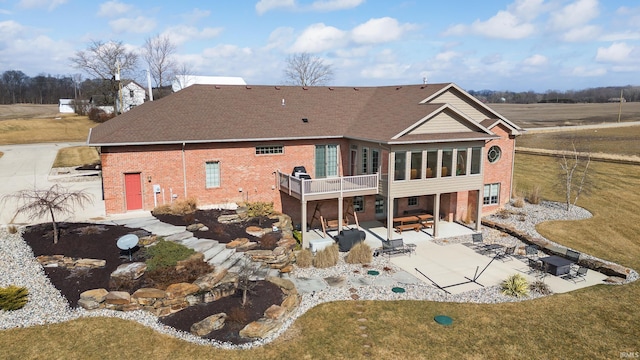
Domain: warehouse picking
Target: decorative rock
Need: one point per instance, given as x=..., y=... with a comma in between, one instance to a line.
x=259, y=329
x=198, y=256
x=209, y=281
x=274, y=312
x=229, y=219
x=195, y=227
x=88, y=304
x=287, y=269
x=118, y=298
x=204, y=228
x=147, y=240
x=91, y=263
x=209, y=324
x=281, y=283
x=181, y=290
x=130, y=271
x=97, y=295
x=256, y=231
x=336, y=281
x=248, y=246
x=149, y=293
x=237, y=243
x=291, y=302
x=222, y=290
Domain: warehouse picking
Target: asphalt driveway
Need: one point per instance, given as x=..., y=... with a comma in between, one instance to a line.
x=27, y=166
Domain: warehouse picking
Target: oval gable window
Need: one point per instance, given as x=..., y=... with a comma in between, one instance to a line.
x=494, y=154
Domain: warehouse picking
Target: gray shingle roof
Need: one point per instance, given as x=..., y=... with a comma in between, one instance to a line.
x=207, y=113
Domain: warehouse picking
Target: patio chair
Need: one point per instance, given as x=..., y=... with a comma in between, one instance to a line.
x=507, y=254
x=578, y=275
x=476, y=241
x=531, y=251
x=535, y=266
x=573, y=256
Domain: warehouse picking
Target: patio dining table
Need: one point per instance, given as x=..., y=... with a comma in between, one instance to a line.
x=557, y=265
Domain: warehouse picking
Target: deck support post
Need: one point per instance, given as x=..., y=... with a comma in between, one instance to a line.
x=436, y=215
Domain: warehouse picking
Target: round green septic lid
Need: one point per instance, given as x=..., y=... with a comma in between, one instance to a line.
x=397, y=290
x=373, y=272
x=443, y=320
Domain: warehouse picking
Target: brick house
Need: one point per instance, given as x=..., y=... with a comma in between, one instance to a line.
x=372, y=151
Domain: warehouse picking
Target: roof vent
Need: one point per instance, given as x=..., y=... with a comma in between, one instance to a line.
x=356, y=89
x=283, y=102
x=305, y=120
x=331, y=88
x=398, y=87
x=305, y=88
x=277, y=87
x=248, y=87
x=217, y=86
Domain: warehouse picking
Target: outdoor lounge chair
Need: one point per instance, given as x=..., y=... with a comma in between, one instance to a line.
x=573, y=256
x=394, y=247
x=531, y=251
x=578, y=275
x=507, y=254
x=535, y=267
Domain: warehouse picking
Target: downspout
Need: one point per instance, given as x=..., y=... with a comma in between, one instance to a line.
x=184, y=172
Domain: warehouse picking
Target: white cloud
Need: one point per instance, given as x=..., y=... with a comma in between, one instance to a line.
x=38, y=4
x=195, y=15
x=319, y=37
x=536, y=60
x=385, y=71
x=583, y=71
x=138, y=25
x=379, y=31
x=332, y=5
x=491, y=59
x=447, y=56
x=627, y=35
x=618, y=52
x=583, y=33
x=265, y=5
x=279, y=38
x=182, y=33
x=114, y=9
x=574, y=15
x=503, y=25
x=528, y=10
x=226, y=51
x=10, y=30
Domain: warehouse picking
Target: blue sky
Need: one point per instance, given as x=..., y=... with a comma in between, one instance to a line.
x=514, y=45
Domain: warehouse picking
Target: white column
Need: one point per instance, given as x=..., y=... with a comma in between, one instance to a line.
x=436, y=215
x=479, y=210
x=305, y=240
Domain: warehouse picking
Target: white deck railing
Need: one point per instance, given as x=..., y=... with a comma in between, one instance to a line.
x=338, y=186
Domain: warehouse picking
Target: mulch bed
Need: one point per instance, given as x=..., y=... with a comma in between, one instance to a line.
x=84, y=240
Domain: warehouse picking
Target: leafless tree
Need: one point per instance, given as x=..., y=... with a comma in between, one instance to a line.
x=306, y=70
x=100, y=59
x=246, y=277
x=574, y=175
x=36, y=203
x=158, y=51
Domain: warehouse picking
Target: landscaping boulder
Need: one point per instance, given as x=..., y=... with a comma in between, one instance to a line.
x=148, y=296
x=91, y=263
x=257, y=231
x=195, y=227
x=88, y=304
x=208, y=281
x=97, y=295
x=248, y=246
x=209, y=324
x=229, y=219
x=118, y=298
x=180, y=290
x=284, y=284
x=259, y=329
x=275, y=312
x=237, y=243
x=130, y=271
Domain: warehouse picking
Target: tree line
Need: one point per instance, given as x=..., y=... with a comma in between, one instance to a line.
x=589, y=95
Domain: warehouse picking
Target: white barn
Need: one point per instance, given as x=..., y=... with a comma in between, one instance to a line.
x=182, y=81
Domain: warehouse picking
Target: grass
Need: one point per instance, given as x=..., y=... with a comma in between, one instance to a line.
x=69, y=127
x=75, y=156
x=622, y=140
x=596, y=322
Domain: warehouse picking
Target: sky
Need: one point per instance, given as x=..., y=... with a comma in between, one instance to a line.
x=517, y=45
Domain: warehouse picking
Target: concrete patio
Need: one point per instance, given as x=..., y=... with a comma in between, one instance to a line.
x=455, y=266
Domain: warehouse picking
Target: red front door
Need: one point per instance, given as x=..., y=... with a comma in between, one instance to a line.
x=133, y=191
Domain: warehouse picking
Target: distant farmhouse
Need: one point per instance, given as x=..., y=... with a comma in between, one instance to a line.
x=65, y=106
x=133, y=94
x=183, y=81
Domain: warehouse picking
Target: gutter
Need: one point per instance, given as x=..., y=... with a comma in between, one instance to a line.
x=184, y=172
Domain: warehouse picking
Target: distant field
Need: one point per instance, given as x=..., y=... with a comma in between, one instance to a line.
x=28, y=111
x=543, y=115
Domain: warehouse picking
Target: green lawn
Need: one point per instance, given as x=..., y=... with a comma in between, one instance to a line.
x=593, y=323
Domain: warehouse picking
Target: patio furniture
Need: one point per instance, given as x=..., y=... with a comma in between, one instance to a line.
x=349, y=237
x=531, y=251
x=578, y=275
x=490, y=249
x=573, y=256
x=319, y=244
x=407, y=223
x=507, y=254
x=476, y=241
x=557, y=265
x=328, y=225
x=395, y=247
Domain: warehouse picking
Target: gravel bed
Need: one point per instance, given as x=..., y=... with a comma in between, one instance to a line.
x=46, y=305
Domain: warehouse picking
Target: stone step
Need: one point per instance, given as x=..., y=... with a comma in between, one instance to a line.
x=213, y=251
x=179, y=237
x=136, y=222
x=163, y=229
x=202, y=245
x=221, y=257
x=232, y=261
x=188, y=242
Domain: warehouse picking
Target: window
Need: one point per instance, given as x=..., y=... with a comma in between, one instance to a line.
x=379, y=204
x=212, y=174
x=326, y=161
x=461, y=162
x=416, y=165
x=447, y=162
x=375, y=160
x=432, y=163
x=365, y=160
x=358, y=203
x=269, y=150
x=412, y=201
x=491, y=194
x=400, y=165
x=476, y=153
x=494, y=154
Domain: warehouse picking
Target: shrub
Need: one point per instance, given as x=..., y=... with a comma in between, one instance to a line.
x=13, y=297
x=259, y=209
x=178, y=207
x=540, y=287
x=238, y=315
x=99, y=115
x=188, y=272
x=166, y=253
x=327, y=257
x=122, y=284
x=269, y=241
x=534, y=195
x=304, y=258
x=515, y=285
x=360, y=253
x=518, y=202
x=91, y=230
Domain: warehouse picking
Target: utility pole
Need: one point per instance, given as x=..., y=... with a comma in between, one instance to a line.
x=119, y=95
x=620, y=110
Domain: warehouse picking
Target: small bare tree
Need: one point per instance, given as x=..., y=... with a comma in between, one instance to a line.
x=574, y=175
x=306, y=70
x=36, y=204
x=101, y=59
x=247, y=276
x=158, y=51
